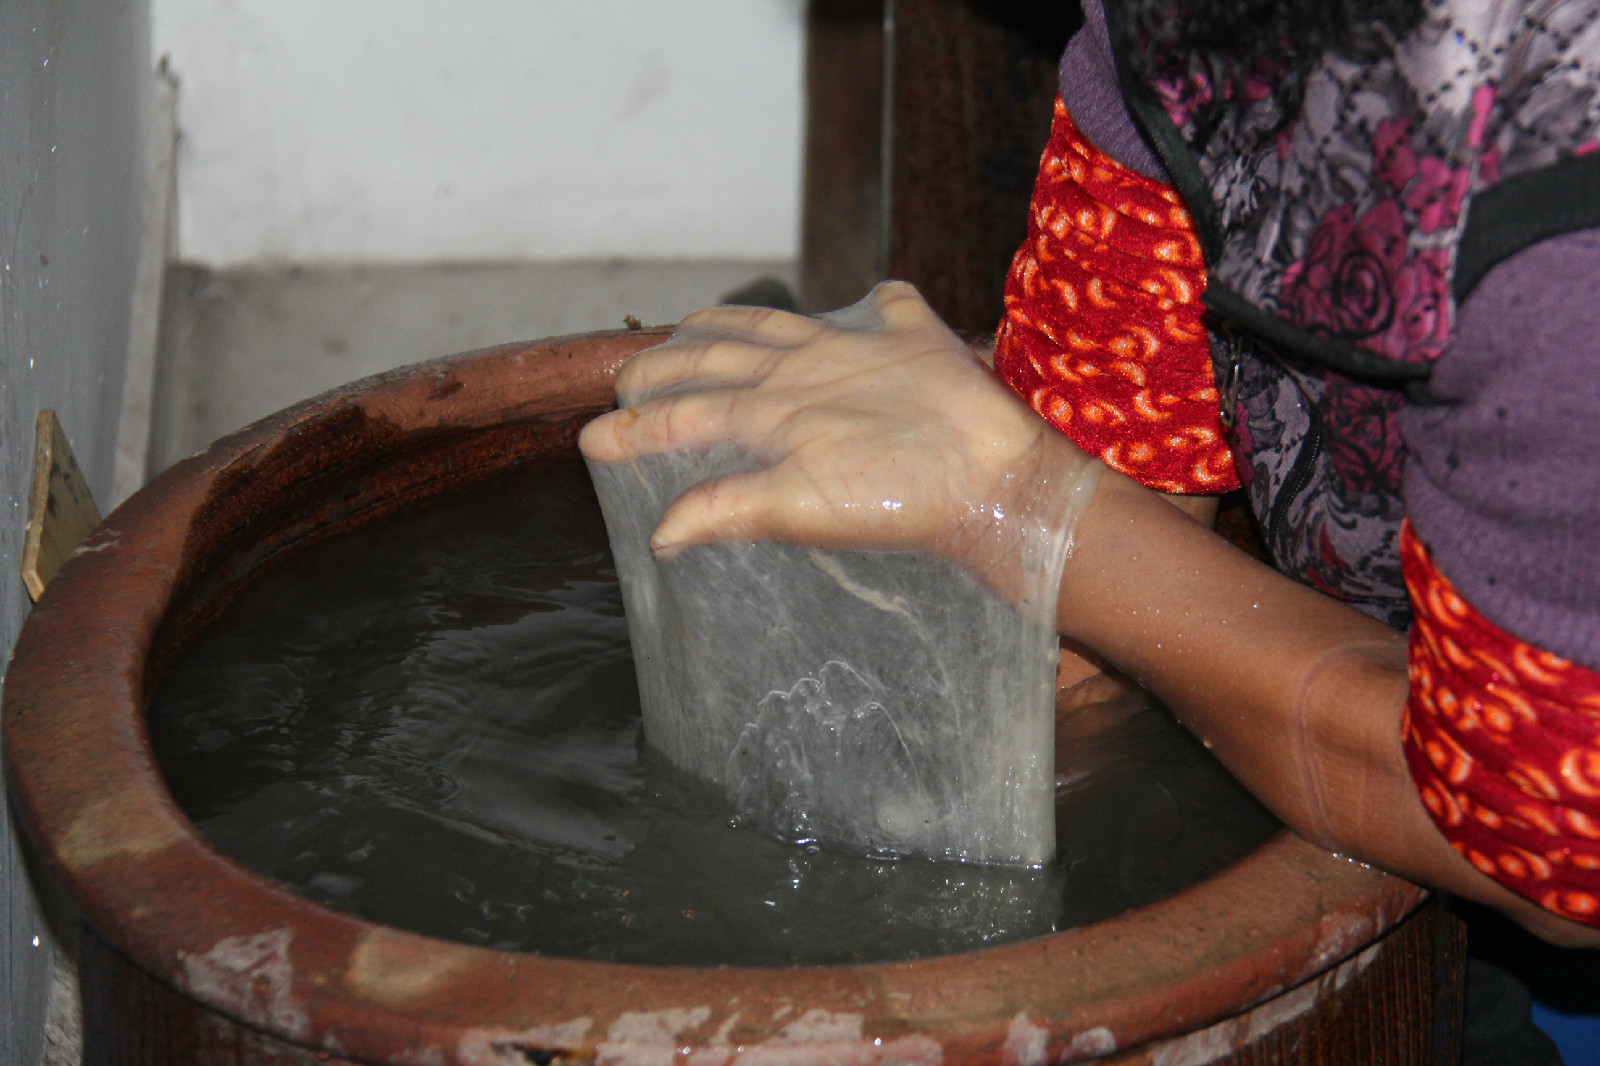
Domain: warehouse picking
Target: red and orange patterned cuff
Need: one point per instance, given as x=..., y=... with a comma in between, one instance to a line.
x=1102, y=333
x=1503, y=741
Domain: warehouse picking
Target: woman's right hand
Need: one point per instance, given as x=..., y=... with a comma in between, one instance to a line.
x=876, y=428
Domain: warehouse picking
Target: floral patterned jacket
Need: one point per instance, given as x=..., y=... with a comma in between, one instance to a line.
x=1340, y=240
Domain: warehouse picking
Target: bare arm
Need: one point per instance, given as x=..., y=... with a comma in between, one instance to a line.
x=897, y=438
x=1298, y=694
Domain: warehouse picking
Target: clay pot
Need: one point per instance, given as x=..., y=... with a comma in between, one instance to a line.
x=1289, y=955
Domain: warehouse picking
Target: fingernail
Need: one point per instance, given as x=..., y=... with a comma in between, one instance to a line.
x=663, y=550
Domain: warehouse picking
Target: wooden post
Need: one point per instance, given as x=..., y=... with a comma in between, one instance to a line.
x=925, y=121
x=844, y=231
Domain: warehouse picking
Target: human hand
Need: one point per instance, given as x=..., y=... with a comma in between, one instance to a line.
x=875, y=427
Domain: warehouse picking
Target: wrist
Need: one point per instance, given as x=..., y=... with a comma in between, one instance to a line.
x=1035, y=524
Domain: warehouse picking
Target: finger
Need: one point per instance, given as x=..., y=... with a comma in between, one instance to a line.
x=677, y=423
x=901, y=306
x=721, y=362
x=781, y=503
x=752, y=323
x=740, y=507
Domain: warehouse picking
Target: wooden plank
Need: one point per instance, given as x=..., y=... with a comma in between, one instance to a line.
x=61, y=512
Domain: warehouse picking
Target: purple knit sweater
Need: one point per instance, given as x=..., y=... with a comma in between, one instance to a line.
x=1503, y=481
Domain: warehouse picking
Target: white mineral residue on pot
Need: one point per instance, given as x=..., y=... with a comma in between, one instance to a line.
x=817, y=1038
x=252, y=978
x=494, y=1047
x=1025, y=1044
x=1216, y=1041
x=642, y=1038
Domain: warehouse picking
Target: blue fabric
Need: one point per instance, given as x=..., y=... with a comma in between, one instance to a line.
x=1577, y=1035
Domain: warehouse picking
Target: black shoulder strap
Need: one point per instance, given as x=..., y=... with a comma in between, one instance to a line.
x=1524, y=210
x=1291, y=340
x=1164, y=138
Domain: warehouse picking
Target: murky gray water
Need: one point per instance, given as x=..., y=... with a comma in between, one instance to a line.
x=433, y=724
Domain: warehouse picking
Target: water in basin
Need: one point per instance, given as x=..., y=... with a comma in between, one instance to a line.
x=433, y=723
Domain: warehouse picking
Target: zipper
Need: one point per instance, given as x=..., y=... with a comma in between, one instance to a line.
x=1299, y=476
x=1230, y=376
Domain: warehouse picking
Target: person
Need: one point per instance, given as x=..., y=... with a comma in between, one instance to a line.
x=1338, y=255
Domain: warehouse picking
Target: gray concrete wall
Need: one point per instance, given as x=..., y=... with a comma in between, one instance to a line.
x=74, y=78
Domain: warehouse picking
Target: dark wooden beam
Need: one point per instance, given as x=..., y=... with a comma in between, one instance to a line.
x=843, y=242
x=924, y=126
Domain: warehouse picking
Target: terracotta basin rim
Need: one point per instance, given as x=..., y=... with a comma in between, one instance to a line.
x=94, y=808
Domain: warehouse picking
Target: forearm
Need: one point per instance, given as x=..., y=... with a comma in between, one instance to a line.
x=866, y=447
x=1298, y=694
x=1078, y=663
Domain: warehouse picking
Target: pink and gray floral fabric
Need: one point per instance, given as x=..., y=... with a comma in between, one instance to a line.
x=1343, y=219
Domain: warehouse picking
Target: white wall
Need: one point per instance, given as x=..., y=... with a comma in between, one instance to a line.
x=418, y=130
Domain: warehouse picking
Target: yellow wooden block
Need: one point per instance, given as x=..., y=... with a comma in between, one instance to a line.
x=61, y=512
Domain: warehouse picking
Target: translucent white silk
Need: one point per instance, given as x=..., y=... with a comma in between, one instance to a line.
x=881, y=700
